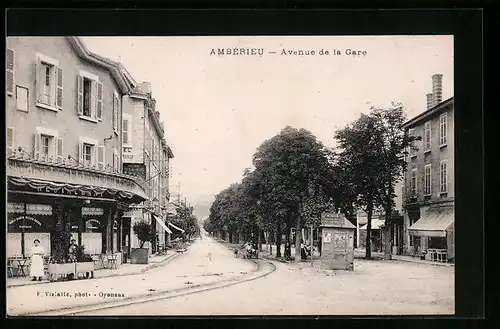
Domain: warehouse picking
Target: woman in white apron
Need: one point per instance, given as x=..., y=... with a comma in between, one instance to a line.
x=36, y=268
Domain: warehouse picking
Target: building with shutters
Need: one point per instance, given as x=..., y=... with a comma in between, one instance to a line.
x=428, y=194
x=64, y=146
x=146, y=153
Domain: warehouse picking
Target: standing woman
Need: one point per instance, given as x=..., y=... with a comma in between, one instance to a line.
x=36, y=268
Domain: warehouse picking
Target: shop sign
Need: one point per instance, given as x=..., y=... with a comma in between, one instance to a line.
x=31, y=219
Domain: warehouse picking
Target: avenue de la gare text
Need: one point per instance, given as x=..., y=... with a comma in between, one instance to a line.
x=285, y=52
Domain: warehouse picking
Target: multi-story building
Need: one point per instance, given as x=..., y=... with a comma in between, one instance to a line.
x=428, y=199
x=146, y=154
x=64, y=138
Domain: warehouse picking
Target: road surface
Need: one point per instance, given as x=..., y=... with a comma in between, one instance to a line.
x=374, y=288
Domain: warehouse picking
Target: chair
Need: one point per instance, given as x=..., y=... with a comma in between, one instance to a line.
x=98, y=259
x=112, y=260
x=22, y=267
x=10, y=268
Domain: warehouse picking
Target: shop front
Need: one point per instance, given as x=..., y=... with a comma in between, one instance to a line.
x=54, y=204
x=435, y=232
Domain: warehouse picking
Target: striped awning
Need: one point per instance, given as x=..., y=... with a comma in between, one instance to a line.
x=433, y=223
x=162, y=224
x=177, y=228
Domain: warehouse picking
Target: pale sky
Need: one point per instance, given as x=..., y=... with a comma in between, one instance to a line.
x=218, y=109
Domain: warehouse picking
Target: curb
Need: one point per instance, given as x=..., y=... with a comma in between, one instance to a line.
x=154, y=296
x=146, y=269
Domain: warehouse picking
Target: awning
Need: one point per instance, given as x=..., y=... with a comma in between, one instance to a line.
x=376, y=224
x=162, y=224
x=434, y=223
x=177, y=228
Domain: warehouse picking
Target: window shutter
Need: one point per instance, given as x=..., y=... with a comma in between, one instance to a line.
x=59, y=149
x=125, y=132
x=10, y=71
x=39, y=80
x=100, y=157
x=80, y=154
x=93, y=99
x=10, y=141
x=79, y=95
x=115, y=105
x=99, y=100
x=36, y=145
x=59, y=87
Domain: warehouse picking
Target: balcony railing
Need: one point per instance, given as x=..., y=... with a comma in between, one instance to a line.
x=68, y=171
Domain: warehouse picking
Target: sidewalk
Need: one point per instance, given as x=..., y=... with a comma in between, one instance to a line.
x=123, y=269
x=193, y=269
x=360, y=254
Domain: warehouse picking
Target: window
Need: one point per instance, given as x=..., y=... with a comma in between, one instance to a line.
x=87, y=99
x=46, y=68
x=10, y=71
x=22, y=99
x=443, y=129
x=46, y=142
x=49, y=83
x=427, y=136
x=47, y=146
x=413, y=182
x=427, y=180
x=443, y=176
x=89, y=104
x=87, y=153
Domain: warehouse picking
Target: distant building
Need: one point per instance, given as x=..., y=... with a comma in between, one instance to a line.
x=147, y=155
x=428, y=199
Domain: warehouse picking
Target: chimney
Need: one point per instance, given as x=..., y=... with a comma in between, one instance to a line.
x=437, y=88
x=146, y=86
x=430, y=100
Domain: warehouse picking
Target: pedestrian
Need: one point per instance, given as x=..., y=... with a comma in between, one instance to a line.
x=72, y=250
x=303, y=254
x=36, y=267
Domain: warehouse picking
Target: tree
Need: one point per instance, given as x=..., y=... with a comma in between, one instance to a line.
x=396, y=143
x=293, y=167
x=142, y=229
x=186, y=220
x=370, y=157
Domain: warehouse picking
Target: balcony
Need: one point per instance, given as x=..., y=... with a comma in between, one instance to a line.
x=69, y=172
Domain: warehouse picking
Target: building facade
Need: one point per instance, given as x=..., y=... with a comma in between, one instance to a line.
x=146, y=154
x=428, y=198
x=64, y=147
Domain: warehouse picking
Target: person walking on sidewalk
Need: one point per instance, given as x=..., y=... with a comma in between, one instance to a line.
x=36, y=268
x=72, y=250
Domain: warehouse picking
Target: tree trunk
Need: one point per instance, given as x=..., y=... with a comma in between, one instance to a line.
x=278, y=239
x=369, y=230
x=298, y=238
x=288, y=243
x=387, y=242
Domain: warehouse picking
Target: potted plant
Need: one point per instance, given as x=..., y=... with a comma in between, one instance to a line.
x=84, y=264
x=142, y=229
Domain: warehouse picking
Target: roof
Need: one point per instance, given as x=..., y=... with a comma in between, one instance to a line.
x=335, y=220
x=123, y=78
x=438, y=108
